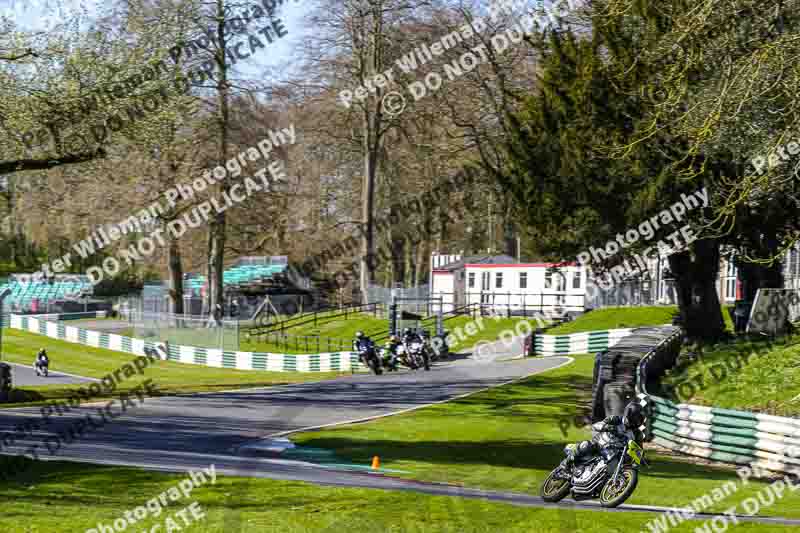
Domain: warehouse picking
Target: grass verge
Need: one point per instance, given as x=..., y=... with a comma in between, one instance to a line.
x=749, y=374
x=627, y=317
x=72, y=497
x=465, y=332
x=170, y=377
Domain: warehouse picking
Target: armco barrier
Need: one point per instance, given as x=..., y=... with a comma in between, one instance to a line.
x=578, y=343
x=725, y=435
x=277, y=362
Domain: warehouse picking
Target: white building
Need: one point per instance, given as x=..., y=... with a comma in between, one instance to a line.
x=504, y=285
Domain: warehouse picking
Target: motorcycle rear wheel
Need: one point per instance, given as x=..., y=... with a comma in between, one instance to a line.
x=554, y=489
x=614, y=496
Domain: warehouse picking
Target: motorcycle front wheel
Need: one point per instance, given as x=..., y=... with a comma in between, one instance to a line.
x=612, y=496
x=376, y=366
x=554, y=488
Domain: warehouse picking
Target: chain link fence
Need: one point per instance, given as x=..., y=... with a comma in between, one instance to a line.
x=203, y=332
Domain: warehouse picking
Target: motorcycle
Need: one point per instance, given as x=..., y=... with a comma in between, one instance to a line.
x=41, y=368
x=369, y=356
x=417, y=354
x=388, y=359
x=610, y=475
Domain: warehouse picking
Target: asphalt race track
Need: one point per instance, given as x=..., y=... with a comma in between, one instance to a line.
x=180, y=433
x=218, y=423
x=24, y=375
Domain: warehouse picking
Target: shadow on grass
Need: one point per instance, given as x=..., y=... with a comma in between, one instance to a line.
x=543, y=456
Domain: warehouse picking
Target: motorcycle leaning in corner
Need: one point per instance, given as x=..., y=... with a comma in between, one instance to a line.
x=607, y=467
x=367, y=353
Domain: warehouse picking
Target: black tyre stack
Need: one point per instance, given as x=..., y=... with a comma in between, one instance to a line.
x=6, y=382
x=615, y=376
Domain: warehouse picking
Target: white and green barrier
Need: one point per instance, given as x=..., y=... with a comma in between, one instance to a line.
x=277, y=362
x=578, y=343
x=726, y=435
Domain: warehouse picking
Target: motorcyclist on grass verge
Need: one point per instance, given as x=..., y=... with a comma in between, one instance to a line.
x=614, y=427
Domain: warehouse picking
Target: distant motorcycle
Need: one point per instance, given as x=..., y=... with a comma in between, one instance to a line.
x=417, y=354
x=389, y=359
x=369, y=355
x=41, y=368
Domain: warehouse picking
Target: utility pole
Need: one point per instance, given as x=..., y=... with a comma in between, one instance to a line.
x=3, y=296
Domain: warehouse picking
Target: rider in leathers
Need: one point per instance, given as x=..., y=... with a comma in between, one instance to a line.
x=616, y=427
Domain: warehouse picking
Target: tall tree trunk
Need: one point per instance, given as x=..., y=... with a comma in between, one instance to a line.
x=367, y=270
x=411, y=267
x=175, y=265
x=397, y=245
x=696, y=273
x=217, y=227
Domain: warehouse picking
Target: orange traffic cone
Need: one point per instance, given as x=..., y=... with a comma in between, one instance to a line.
x=376, y=462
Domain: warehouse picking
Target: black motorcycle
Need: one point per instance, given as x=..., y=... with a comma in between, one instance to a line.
x=611, y=473
x=369, y=356
x=41, y=367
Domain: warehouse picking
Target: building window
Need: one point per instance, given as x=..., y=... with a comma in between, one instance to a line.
x=523, y=280
x=561, y=281
x=730, y=289
x=576, y=280
x=471, y=279
x=498, y=280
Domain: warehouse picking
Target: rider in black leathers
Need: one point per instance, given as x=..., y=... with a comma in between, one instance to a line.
x=410, y=335
x=619, y=427
x=391, y=349
x=42, y=361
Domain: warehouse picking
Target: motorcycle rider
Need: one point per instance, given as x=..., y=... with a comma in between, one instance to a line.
x=409, y=335
x=360, y=341
x=391, y=349
x=619, y=427
x=42, y=361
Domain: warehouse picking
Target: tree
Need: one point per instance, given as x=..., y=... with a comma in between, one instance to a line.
x=571, y=187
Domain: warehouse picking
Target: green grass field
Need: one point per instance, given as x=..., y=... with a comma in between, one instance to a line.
x=617, y=317
x=768, y=382
x=509, y=438
x=625, y=317
x=461, y=338
x=171, y=378
x=72, y=497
